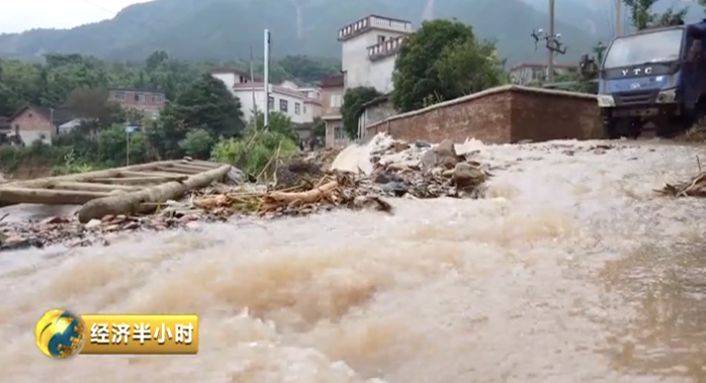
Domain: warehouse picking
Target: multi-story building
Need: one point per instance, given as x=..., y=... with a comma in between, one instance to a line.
x=369, y=49
x=301, y=105
x=149, y=103
x=331, y=102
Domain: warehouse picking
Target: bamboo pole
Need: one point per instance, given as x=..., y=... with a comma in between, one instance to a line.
x=14, y=195
x=132, y=202
x=87, y=186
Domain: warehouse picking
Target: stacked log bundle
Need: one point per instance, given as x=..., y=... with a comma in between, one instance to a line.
x=116, y=191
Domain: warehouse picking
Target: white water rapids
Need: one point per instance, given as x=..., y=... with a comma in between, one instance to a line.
x=572, y=269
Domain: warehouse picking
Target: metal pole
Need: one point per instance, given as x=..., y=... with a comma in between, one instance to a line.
x=552, y=39
x=619, y=18
x=127, y=151
x=267, y=78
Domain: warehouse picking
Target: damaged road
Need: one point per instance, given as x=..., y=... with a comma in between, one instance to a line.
x=570, y=251
x=302, y=186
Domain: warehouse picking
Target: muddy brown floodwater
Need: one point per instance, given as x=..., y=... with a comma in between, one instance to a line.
x=572, y=269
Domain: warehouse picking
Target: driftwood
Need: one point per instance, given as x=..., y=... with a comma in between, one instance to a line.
x=135, y=201
x=311, y=196
x=12, y=195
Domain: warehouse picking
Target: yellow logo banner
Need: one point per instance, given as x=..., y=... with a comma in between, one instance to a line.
x=140, y=334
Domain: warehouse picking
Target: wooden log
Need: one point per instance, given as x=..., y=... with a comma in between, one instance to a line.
x=13, y=195
x=131, y=202
x=310, y=196
x=196, y=168
x=87, y=186
x=154, y=173
x=87, y=177
x=139, y=180
x=174, y=170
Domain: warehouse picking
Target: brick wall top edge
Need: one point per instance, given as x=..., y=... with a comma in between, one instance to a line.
x=486, y=93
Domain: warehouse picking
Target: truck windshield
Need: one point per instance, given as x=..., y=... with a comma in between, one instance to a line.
x=662, y=46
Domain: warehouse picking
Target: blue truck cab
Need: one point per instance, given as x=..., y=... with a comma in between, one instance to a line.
x=655, y=76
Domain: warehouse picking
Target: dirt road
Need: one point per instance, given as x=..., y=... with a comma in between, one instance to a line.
x=572, y=269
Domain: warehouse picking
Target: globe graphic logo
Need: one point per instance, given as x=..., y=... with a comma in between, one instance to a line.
x=59, y=334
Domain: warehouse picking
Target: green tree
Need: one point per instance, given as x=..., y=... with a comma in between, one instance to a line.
x=197, y=144
x=112, y=147
x=155, y=60
x=442, y=61
x=206, y=105
x=279, y=123
x=642, y=16
x=93, y=103
x=352, y=108
x=210, y=104
x=467, y=68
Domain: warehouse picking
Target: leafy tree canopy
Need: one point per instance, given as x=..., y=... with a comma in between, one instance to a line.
x=206, y=105
x=442, y=61
x=352, y=108
x=642, y=16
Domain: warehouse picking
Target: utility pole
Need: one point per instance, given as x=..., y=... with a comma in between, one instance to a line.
x=618, y=18
x=267, y=78
x=550, y=65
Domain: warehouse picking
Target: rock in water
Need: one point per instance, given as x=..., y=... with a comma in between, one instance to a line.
x=443, y=155
x=467, y=177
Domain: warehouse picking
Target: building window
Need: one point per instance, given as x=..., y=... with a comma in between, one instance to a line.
x=304, y=109
x=297, y=108
x=271, y=103
x=283, y=106
x=336, y=101
x=119, y=96
x=381, y=39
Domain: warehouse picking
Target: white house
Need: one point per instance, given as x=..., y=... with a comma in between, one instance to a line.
x=301, y=105
x=369, y=50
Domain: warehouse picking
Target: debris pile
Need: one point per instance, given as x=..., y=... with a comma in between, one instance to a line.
x=399, y=169
x=359, y=178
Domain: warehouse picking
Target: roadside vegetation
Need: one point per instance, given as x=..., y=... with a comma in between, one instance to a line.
x=201, y=115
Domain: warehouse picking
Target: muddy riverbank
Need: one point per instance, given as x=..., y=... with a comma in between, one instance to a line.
x=572, y=268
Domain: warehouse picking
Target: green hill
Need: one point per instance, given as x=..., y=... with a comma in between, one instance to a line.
x=225, y=29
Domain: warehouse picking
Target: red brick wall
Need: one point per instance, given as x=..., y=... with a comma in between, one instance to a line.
x=501, y=115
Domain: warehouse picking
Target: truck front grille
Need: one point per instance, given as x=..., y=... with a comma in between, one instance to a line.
x=635, y=98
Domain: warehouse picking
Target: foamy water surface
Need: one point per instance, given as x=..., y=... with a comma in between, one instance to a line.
x=572, y=269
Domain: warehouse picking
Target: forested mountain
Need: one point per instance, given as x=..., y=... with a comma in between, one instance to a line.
x=225, y=29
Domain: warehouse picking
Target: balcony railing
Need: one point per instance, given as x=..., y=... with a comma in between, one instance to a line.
x=385, y=48
x=373, y=21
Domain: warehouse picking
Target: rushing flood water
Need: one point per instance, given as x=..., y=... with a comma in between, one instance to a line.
x=572, y=269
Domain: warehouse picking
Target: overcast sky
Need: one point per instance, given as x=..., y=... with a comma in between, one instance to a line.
x=21, y=15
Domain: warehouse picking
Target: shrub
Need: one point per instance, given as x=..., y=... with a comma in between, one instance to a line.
x=112, y=147
x=197, y=143
x=255, y=153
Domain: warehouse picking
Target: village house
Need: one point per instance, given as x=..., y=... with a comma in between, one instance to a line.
x=370, y=47
x=535, y=73
x=301, y=105
x=149, y=103
x=331, y=102
x=33, y=123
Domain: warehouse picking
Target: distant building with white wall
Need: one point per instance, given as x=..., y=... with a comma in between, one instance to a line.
x=369, y=50
x=301, y=105
x=370, y=47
